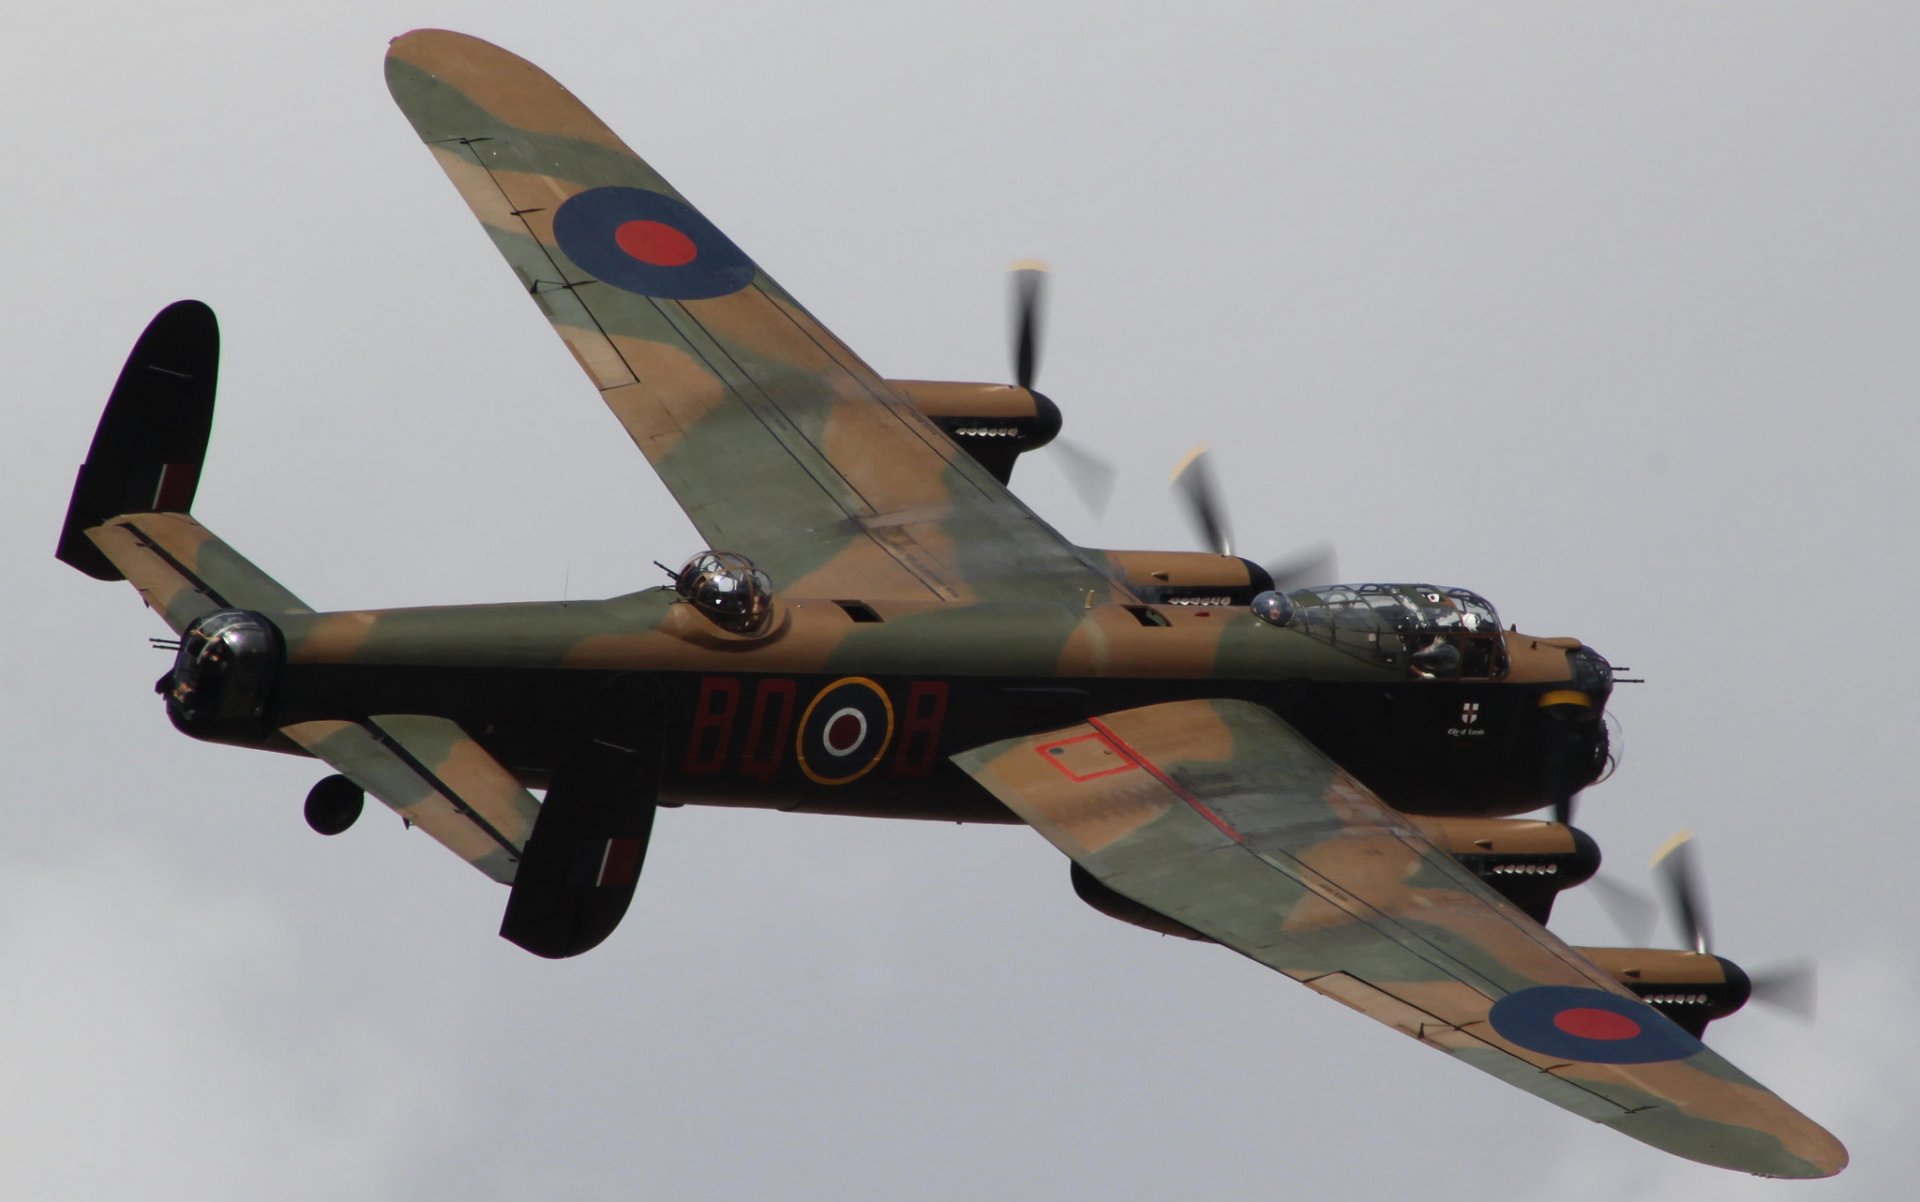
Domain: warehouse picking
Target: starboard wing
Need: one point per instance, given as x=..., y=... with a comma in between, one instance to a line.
x=776, y=439
x=1221, y=816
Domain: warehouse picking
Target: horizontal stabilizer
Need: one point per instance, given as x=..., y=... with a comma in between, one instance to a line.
x=152, y=437
x=431, y=773
x=183, y=571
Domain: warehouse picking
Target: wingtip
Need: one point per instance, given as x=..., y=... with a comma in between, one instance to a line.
x=429, y=33
x=429, y=43
x=412, y=35
x=1826, y=1162
x=490, y=76
x=1825, y=1153
x=1771, y=1139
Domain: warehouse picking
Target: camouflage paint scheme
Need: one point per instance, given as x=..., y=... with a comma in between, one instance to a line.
x=1221, y=816
x=745, y=405
x=1252, y=782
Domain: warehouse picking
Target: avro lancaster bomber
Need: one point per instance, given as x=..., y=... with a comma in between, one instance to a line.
x=1323, y=778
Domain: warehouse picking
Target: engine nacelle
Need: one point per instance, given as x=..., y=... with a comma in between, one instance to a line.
x=1127, y=910
x=1690, y=988
x=221, y=685
x=995, y=423
x=1189, y=577
x=1525, y=861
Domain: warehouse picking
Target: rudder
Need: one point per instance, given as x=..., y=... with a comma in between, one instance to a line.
x=152, y=438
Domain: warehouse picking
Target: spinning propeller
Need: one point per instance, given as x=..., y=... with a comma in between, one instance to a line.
x=1789, y=986
x=1089, y=475
x=1630, y=909
x=1093, y=477
x=1193, y=481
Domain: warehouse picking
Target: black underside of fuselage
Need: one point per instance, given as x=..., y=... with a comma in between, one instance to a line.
x=879, y=746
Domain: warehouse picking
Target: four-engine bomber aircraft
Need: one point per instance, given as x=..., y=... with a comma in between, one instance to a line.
x=1319, y=779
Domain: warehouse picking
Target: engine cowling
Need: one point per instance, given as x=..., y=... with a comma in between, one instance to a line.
x=1691, y=988
x=995, y=423
x=1127, y=910
x=1189, y=577
x=1527, y=862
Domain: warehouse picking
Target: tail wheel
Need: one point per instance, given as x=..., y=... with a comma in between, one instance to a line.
x=334, y=804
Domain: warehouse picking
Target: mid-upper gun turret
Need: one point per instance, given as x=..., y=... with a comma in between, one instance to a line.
x=728, y=590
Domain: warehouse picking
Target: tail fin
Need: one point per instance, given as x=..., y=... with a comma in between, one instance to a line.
x=152, y=438
x=128, y=516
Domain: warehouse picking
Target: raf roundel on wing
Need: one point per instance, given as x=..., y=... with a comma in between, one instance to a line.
x=650, y=244
x=1591, y=1025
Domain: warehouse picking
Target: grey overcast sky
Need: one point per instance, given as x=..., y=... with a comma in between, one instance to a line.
x=1606, y=311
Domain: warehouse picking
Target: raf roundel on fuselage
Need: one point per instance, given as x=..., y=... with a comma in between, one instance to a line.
x=650, y=244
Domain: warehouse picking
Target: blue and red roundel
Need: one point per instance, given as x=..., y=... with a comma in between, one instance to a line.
x=643, y=242
x=1589, y=1024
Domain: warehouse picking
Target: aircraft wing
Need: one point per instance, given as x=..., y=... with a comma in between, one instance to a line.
x=1221, y=816
x=776, y=439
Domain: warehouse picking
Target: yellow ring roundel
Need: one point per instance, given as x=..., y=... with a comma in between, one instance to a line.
x=844, y=731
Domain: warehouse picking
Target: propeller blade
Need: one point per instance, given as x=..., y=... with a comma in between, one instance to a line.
x=1630, y=909
x=1091, y=476
x=1563, y=808
x=1674, y=865
x=1029, y=289
x=1193, y=480
x=1789, y=986
x=1315, y=565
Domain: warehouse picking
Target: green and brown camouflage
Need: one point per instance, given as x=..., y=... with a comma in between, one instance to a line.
x=1318, y=780
x=443, y=783
x=1223, y=818
x=776, y=439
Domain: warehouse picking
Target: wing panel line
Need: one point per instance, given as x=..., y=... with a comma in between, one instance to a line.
x=862, y=374
x=753, y=406
x=387, y=740
x=685, y=319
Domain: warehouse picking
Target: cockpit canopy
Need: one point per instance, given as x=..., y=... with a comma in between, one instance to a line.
x=1430, y=630
x=728, y=589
